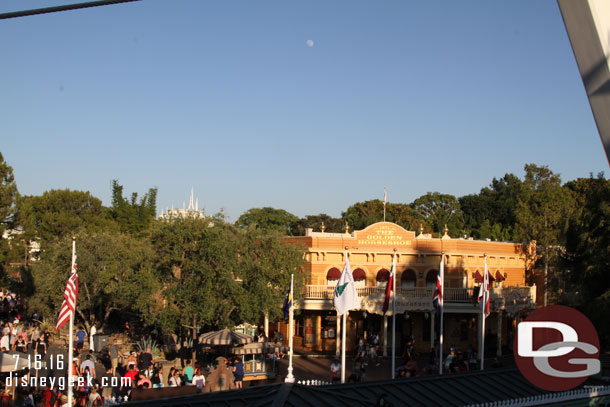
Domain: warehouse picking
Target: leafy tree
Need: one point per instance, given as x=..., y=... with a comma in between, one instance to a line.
x=439, y=210
x=331, y=225
x=267, y=218
x=543, y=210
x=362, y=214
x=217, y=275
x=8, y=200
x=114, y=275
x=588, y=249
x=60, y=213
x=491, y=213
x=133, y=217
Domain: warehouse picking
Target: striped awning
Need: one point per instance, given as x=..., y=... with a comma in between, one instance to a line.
x=224, y=337
x=258, y=348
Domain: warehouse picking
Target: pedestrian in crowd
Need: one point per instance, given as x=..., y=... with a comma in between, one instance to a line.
x=238, y=372
x=188, y=372
x=88, y=363
x=199, y=380
x=80, y=339
x=114, y=356
x=335, y=370
x=92, y=333
x=449, y=361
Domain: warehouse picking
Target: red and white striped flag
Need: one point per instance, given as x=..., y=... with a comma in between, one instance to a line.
x=385, y=198
x=69, y=305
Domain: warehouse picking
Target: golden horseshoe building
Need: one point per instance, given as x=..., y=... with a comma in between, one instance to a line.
x=418, y=259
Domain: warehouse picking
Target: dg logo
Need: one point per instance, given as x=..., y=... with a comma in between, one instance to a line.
x=557, y=348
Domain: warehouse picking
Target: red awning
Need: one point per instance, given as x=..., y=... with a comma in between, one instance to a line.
x=359, y=275
x=478, y=277
x=499, y=277
x=333, y=274
x=383, y=275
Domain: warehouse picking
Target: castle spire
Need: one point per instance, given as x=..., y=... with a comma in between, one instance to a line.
x=191, y=206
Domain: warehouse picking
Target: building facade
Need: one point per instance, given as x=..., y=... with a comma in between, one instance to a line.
x=418, y=257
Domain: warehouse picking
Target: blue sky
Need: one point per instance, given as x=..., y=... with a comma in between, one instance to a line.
x=229, y=98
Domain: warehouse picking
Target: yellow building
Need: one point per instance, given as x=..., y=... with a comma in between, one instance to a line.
x=418, y=259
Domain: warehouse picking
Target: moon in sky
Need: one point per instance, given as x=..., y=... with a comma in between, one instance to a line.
x=309, y=43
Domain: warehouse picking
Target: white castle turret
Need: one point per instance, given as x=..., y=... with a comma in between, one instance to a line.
x=191, y=212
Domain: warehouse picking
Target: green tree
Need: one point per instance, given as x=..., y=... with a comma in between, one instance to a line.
x=8, y=201
x=362, y=214
x=543, y=211
x=331, y=225
x=588, y=250
x=267, y=218
x=491, y=213
x=132, y=216
x=217, y=275
x=439, y=210
x=59, y=213
x=114, y=274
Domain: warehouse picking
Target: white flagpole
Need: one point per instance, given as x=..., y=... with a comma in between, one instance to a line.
x=343, y=325
x=71, y=334
x=394, y=315
x=483, y=305
x=290, y=376
x=440, y=342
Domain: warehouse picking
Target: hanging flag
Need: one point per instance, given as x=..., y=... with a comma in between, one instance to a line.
x=388, y=288
x=287, y=303
x=484, y=292
x=346, y=296
x=385, y=197
x=70, y=294
x=437, y=299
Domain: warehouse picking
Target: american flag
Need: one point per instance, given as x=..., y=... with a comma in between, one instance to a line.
x=70, y=295
x=385, y=197
x=437, y=299
x=484, y=292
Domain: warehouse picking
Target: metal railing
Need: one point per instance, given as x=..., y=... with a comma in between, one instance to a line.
x=452, y=295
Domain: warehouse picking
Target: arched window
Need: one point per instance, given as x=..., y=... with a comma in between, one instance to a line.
x=431, y=277
x=359, y=277
x=408, y=279
x=383, y=276
x=332, y=276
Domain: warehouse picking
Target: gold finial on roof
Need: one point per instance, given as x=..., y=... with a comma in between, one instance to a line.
x=346, y=227
x=323, y=227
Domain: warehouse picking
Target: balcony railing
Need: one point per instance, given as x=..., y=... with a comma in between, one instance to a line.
x=452, y=295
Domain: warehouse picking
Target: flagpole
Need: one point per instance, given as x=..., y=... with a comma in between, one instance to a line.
x=385, y=194
x=394, y=316
x=343, y=327
x=483, y=305
x=290, y=376
x=440, y=342
x=71, y=333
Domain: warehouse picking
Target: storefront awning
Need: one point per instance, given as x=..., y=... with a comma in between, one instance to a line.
x=383, y=275
x=478, y=277
x=359, y=275
x=333, y=274
x=499, y=277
